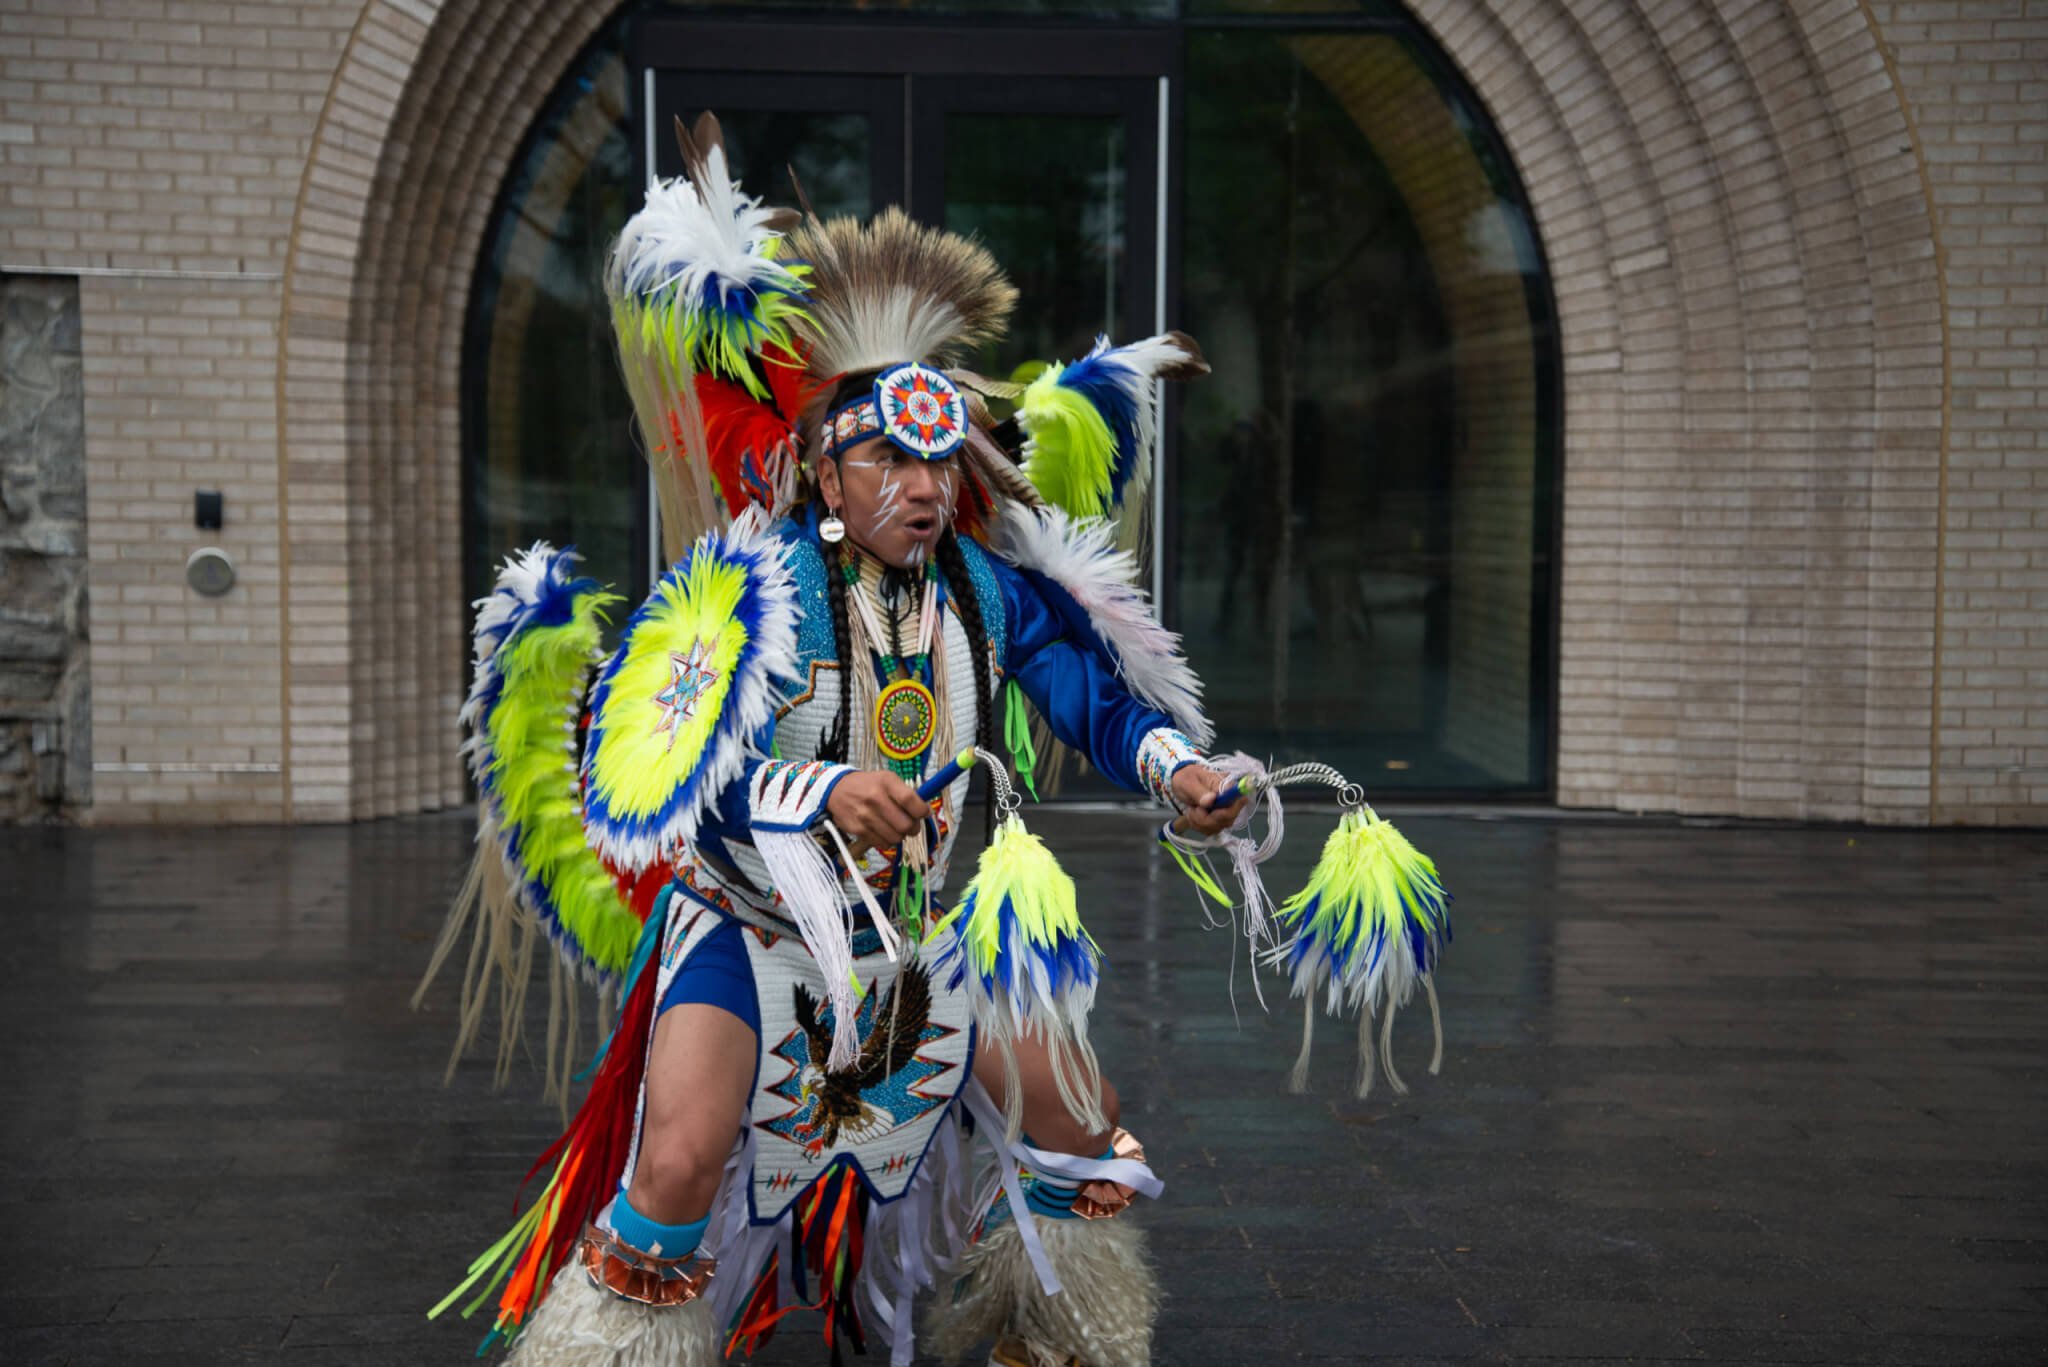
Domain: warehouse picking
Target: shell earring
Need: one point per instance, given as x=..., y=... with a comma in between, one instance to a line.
x=832, y=529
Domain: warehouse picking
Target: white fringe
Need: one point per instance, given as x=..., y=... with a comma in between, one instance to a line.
x=812, y=895
x=1082, y=558
x=579, y=1325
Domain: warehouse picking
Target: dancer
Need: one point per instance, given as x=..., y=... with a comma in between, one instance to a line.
x=828, y=1086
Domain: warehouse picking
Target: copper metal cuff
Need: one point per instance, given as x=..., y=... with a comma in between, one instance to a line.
x=628, y=1273
x=1101, y=1200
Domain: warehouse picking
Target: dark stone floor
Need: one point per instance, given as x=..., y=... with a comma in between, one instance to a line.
x=1711, y=1095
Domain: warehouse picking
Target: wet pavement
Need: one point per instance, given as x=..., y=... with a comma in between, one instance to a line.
x=1710, y=1095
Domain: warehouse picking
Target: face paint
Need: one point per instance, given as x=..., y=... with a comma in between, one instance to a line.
x=892, y=499
x=896, y=505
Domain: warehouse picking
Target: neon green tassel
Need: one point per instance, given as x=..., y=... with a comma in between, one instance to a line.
x=1370, y=924
x=1029, y=967
x=1017, y=735
x=1372, y=917
x=1197, y=872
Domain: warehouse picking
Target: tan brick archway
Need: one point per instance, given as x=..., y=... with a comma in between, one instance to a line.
x=1748, y=288
x=426, y=111
x=1748, y=285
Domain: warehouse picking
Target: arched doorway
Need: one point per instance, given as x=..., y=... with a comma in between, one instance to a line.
x=1356, y=518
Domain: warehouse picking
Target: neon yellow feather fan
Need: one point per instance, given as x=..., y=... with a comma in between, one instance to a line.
x=697, y=676
x=1368, y=927
x=537, y=637
x=1017, y=945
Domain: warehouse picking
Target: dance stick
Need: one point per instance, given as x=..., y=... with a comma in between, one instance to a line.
x=933, y=785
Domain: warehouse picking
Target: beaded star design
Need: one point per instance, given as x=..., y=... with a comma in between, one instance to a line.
x=689, y=676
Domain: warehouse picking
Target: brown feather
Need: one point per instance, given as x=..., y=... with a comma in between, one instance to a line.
x=894, y=290
x=1194, y=367
x=992, y=465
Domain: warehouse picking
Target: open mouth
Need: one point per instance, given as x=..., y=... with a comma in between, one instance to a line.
x=921, y=526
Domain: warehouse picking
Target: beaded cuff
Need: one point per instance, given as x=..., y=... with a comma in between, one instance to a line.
x=1162, y=752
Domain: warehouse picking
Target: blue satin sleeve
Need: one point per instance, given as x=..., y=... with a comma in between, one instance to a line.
x=1069, y=676
x=728, y=818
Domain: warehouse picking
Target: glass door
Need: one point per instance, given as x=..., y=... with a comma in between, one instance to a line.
x=1059, y=178
x=1043, y=145
x=841, y=136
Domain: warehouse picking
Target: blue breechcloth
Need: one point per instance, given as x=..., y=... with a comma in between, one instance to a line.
x=718, y=973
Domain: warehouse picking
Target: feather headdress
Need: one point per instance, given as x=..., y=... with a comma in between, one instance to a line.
x=699, y=287
x=893, y=289
x=1089, y=425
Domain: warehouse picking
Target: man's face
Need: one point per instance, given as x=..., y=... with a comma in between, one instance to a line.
x=895, y=505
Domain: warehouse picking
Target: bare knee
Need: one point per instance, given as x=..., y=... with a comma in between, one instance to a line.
x=676, y=1179
x=1055, y=1128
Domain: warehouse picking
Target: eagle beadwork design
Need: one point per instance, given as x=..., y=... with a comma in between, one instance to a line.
x=873, y=1097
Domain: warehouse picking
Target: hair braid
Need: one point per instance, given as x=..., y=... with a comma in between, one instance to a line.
x=967, y=604
x=837, y=741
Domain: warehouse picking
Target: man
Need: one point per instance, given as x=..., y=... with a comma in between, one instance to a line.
x=785, y=1118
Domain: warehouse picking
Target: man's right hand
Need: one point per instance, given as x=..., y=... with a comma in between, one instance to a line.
x=875, y=808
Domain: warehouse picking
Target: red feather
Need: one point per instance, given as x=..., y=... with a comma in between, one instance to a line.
x=790, y=382
x=598, y=1138
x=740, y=430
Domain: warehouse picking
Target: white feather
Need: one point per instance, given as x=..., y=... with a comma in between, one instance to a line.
x=1081, y=558
x=864, y=332
x=689, y=233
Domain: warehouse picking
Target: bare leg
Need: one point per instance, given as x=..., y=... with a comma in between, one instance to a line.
x=1045, y=1116
x=698, y=1074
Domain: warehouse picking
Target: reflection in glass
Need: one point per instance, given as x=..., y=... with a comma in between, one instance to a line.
x=1363, y=481
x=1046, y=195
x=828, y=152
x=1064, y=9
x=551, y=451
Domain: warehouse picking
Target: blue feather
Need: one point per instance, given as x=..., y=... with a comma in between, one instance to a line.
x=1114, y=387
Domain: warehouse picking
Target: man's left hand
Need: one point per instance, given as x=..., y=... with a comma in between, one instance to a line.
x=1193, y=786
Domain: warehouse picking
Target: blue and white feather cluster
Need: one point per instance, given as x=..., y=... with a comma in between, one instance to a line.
x=1089, y=425
x=536, y=587
x=537, y=635
x=1367, y=930
x=1029, y=967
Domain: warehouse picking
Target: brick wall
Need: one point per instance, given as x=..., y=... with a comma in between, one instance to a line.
x=1976, y=79
x=1798, y=256
x=1764, y=397
x=155, y=150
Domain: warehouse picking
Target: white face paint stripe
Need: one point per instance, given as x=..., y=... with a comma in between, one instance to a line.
x=892, y=499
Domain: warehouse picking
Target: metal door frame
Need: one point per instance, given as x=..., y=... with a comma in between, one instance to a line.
x=727, y=51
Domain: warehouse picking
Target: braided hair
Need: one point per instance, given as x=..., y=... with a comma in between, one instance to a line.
x=833, y=749
x=959, y=591
x=838, y=740
x=967, y=605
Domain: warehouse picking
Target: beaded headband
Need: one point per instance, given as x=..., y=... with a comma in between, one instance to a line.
x=914, y=406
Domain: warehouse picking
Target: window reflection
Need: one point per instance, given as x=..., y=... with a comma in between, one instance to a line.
x=1360, y=506
x=1357, y=568
x=1046, y=195
x=552, y=451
